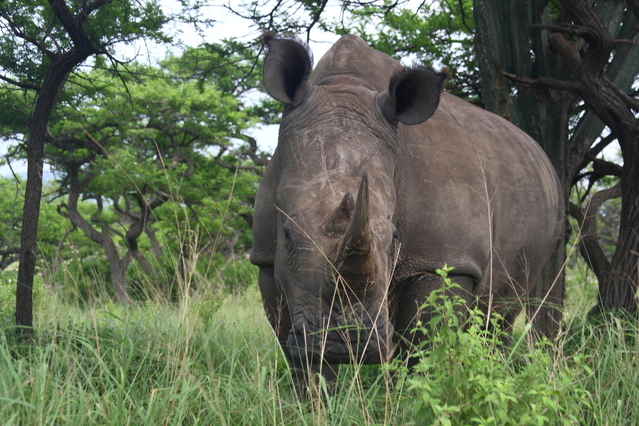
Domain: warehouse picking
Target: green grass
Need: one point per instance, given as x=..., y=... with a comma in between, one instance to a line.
x=144, y=364
x=160, y=363
x=213, y=360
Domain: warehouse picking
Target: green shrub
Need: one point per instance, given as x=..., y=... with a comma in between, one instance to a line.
x=7, y=299
x=238, y=275
x=464, y=374
x=8, y=282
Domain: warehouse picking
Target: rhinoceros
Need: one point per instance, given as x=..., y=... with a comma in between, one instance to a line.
x=378, y=180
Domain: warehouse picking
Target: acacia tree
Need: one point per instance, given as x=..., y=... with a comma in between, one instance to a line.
x=145, y=151
x=41, y=43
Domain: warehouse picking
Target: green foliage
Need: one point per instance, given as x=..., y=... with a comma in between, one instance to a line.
x=438, y=33
x=465, y=376
x=11, y=201
x=123, y=20
x=31, y=32
x=8, y=282
x=50, y=230
x=610, y=350
x=238, y=275
x=159, y=136
x=7, y=297
x=82, y=274
x=148, y=364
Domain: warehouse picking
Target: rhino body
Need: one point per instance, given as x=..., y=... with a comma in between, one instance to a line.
x=378, y=180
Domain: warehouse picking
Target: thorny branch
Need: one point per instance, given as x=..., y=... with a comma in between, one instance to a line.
x=589, y=246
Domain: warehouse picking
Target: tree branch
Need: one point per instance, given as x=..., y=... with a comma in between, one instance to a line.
x=19, y=33
x=26, y=86
x=56, y=262
x=73, y=25
x=258, y=160
x=589, y=247
x=543, y=82
x=87, y=9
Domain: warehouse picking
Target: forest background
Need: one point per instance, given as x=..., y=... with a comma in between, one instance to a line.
x=155, y=161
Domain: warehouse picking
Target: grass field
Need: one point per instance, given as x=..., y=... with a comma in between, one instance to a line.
x=214, y=361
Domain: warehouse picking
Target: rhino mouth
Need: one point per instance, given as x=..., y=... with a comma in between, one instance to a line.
x=341, y=341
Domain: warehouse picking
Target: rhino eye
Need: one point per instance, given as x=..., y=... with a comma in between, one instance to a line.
x=288, y=241
x=395, y=233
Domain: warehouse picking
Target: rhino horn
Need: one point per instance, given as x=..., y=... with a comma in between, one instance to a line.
x=357, y=240
x=341, y=218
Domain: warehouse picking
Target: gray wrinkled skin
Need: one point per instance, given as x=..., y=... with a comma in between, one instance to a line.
x=462, y=187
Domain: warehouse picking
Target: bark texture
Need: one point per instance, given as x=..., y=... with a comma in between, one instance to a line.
x=614, y=107
x=584, y=54
x=62, y=63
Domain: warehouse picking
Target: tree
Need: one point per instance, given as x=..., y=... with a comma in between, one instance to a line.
x=440, y=34
x=142, y=152
x=555, y=60
x=42, y=42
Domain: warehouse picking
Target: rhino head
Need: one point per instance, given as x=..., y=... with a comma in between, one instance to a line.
x=329, y=197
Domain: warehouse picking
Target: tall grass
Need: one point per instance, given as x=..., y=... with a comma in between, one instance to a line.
x=159, y=363
x=211, y=359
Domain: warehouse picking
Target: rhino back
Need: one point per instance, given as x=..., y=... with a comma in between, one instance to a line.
x=470, y=181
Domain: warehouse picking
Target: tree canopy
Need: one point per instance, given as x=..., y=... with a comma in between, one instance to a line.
x=163, y=156
x=43, y=44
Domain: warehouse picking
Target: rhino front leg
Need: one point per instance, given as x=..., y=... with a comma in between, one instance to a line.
x=412, y=297
x=306, y=379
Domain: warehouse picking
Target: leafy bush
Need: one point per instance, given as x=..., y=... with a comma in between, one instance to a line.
x=238, y=275
x=84, y=278
x=7, y=300
x=8, y=282
x=464, y=374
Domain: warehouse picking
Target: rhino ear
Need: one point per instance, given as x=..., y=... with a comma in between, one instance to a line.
x=413, y=95
x=286, y=66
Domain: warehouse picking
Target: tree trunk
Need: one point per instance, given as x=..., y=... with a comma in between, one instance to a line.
x=31, y=214
x=140, y=224
x=618, y=284
x=61, y=66
x=155, y=245
x=47, y=96
x=118, y=267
